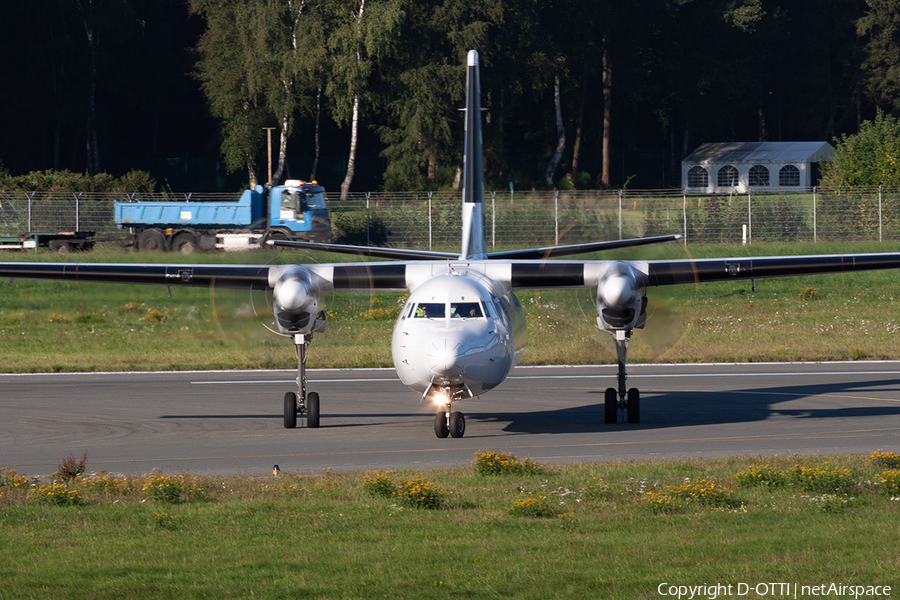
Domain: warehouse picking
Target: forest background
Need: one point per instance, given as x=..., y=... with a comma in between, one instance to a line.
x=364, y=94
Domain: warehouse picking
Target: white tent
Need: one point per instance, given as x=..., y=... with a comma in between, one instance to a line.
x=765, y=166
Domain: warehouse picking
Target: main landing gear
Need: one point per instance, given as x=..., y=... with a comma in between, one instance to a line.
x=448, y=422
x=630, y=400
x=300, y=402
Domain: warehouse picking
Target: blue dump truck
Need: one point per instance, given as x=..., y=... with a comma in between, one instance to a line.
x=293, y=211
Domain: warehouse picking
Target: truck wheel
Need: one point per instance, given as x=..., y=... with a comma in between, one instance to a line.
x=151, y=240
x=185, y=243
x=60, y=247
x=275, y=235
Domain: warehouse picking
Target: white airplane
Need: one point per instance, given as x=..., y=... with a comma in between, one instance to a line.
x=462, y=329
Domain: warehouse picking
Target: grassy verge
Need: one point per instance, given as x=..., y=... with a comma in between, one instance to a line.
x=52, y=326
x=502, y=528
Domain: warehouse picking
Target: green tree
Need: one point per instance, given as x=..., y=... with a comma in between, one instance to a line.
x=880, y=27
x=870, y=157
x=288, y=47
x=226, y=68
x=363, y=35
x=423, y=88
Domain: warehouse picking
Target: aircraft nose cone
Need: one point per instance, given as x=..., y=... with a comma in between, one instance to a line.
x=445, y=358
x=292, y=294
x=617, y=291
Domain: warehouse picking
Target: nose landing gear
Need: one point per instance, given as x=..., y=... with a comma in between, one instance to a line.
x=301, y=403
x=629, y=401
x=449, y=423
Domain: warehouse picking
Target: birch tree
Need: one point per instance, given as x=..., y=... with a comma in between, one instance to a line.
x=560, y=135
x=289, y=39
x=363, y=34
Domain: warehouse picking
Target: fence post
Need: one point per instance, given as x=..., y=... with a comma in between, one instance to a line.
x=368, y=242
x=77, y=210
x=815, y=220
x=429, y=219
x=30, y=198
x=493, y=218
x=620, y=214
x=684, y=213
x=556, y=216
x=749, y=219
x=879, y=213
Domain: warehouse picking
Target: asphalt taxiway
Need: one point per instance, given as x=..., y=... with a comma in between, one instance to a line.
x=230, y=422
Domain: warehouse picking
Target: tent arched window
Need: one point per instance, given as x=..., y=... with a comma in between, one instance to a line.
x=789, y=176
x=759, y=176
x=697, y=177
x=727, y=177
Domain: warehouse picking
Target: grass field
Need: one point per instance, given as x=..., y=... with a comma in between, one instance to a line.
x=629, y=530
x=53, y=326
x=496, y=530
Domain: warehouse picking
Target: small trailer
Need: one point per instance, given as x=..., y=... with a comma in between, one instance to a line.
x=61, y=242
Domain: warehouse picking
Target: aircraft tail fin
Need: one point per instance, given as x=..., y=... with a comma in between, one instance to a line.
x=474, y=244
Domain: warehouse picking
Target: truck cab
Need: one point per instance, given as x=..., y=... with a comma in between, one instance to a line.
x=297, y=210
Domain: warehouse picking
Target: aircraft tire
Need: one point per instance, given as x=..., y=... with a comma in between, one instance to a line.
x=457, y=425
x=634, y=406
x=611, y=407
x=290, y=410
x=440, y=425
x=312, y=409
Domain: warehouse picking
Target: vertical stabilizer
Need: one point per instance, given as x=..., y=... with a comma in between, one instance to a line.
x=473, y=239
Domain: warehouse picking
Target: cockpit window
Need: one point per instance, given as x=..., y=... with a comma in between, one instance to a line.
x=430, y=310
x=465, y=310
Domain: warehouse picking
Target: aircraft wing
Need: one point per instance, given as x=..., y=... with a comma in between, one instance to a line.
x=392, y=275
x=672, y=272
x=387, y=276
x=569, y=250
x=536, y=253
x=225, y=276
x=374, y=251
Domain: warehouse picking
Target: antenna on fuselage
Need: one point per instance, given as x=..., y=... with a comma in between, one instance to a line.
x=473, y=236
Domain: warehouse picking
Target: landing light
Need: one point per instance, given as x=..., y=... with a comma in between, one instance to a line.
x=441, y=399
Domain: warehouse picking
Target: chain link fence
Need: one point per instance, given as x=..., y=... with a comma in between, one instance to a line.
x=529, y=219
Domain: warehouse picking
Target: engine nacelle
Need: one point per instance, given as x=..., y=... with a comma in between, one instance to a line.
x=621, y=304
x=295, y=302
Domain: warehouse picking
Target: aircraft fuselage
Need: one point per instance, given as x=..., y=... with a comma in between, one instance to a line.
x=458, y=336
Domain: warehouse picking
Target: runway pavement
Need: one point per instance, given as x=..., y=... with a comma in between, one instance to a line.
x=230, y=422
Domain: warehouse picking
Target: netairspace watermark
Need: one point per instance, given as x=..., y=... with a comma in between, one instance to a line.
x=772, y=590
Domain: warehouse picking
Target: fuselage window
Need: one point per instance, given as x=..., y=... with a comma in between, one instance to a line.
x=430, y=310
x=465, y=310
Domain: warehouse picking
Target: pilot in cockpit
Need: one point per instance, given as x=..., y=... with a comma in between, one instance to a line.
x=465, y=310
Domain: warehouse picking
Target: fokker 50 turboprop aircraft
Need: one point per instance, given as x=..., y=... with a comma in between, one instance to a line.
x=462, y=328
